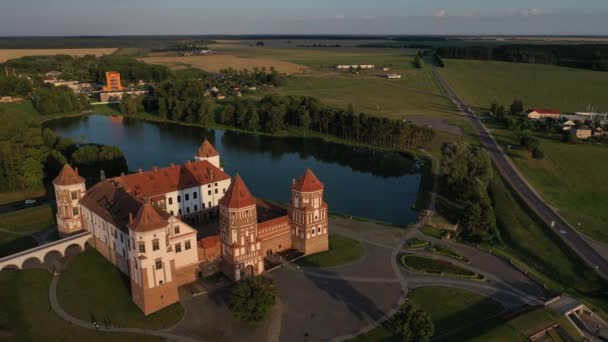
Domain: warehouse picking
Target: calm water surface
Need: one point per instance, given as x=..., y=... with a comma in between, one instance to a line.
x=358, y=181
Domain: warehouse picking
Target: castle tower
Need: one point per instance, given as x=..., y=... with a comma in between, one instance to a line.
x=241, y=250
x=151, y=260
x=69, y=188
x=308, y=215
x=208, y=153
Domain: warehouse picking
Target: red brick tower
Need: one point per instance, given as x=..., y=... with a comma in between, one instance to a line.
x=308, y=215
x=241, y=250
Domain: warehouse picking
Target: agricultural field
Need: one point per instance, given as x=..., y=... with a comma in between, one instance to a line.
x=6, y=54
x=571, y=177
x=215, y=63
x=545, y=86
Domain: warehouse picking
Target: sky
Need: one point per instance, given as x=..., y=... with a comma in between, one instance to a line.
x=169, y=17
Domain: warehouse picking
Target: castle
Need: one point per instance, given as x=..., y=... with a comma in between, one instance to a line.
x=143, y=224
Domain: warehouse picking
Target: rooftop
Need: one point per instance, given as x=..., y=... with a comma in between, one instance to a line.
x=237, y=195
x=68, y=176
x=307, y=183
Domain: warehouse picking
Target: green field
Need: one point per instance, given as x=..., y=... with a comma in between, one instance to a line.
x=571, y=177
x=429, y=265
x=26, y=314
x=342, y=250
x=545, y=86
x=454, y=309
x=16, y=227
x=539, y=248
x=442, y=250
x=92, y=287
x=416, y=243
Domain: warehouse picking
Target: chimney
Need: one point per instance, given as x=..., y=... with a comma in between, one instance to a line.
x=139, y=171
x=154, y=168
x=172, y=165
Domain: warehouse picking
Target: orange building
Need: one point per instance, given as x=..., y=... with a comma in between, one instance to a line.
x=113, y=81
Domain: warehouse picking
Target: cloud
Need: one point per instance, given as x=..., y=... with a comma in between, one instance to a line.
x=440, y=13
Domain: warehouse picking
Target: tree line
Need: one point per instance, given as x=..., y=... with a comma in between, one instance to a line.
x=583, y=56
x=49, y=99
x=15, y=86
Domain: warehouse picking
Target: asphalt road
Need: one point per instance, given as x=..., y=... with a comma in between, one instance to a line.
x=19, y=205
x=562, y=228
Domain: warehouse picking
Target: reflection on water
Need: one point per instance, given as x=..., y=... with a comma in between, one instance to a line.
x=359, y=181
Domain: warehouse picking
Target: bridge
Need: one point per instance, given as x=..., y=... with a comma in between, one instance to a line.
x=47, y=254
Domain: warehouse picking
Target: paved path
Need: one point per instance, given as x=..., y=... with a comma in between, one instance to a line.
x=67, y=317
x=525, y=190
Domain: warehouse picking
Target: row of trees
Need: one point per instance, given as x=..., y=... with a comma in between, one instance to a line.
x=466, y=171
x=585, y=56
x=49, y=99
x=15, y=86
x=514, y=120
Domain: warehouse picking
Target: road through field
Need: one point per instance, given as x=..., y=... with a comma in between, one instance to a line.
x=508, y=170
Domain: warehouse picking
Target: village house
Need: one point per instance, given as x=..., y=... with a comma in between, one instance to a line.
x=537, y=113
x=149, y=224
x=582, y=132
x=393, y=75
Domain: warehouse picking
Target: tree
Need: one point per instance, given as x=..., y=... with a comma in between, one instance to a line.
x=412, y=324
x=49, y=137
x=206, y=116
x=53, y=164
x=32, y=173
x=253, y=123
x=517, y=107
x=252, y=299
x=421, y=326
x=471, y=219
x=537, y=153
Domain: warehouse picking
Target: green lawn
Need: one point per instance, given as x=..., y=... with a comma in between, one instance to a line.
x=416, y=93
x=342, y=250
x=430, y=265
x=17, y=196
x=454, y=309
x=21, y=223
x=521, y=327
x=416, y=243
x=538, y=247
x=481, y=82
x=571, y=177
x=26, y=315
x=430, y=231
x=442, y=250
x=92, y=287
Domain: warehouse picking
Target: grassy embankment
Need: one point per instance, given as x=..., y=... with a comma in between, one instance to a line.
x=92, y=287
x=436, y=266
x=571, y=177
x=26, y=314
x=16, y=227
x=342, y=250
x=452, y=311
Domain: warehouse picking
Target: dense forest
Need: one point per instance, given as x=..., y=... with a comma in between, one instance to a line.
x=15, y=86
x=49, y=99
x=584, y=56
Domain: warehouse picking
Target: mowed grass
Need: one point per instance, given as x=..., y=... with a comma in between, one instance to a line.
x=7, y=54
x=537, y=246
x=521, y=327
x=15, y=228
x=416, y=93
x=454, y=309
x=26, y=314
x=546, y=86
x=342, y=250
x=571, y=177
x=429, y=265
x=92, y=287
x=19, y=196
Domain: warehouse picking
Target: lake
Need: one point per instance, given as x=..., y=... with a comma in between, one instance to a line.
x=358, y=181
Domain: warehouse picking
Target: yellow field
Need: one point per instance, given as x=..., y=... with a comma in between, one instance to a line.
x=6, y=54
x=215, y=63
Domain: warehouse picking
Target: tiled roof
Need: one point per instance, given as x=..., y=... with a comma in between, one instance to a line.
x=307, y=183
x=206, y=150
x=68, y=176
x=544, y=111
x=148, y=218
x=237, y=195
x=111, y=203
x=210, y=241
x=172, y=178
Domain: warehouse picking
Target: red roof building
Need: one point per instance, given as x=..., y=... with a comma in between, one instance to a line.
x=307, y=183
x=68, y=176
x=148, y=218
x=539, y=113
x=206, y=150
x=237, y=195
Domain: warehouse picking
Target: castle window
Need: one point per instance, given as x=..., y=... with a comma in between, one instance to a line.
x=187, y=245
x=176, y=229
x=159, y=264
x=170, y=200
x=187, y=210
x=74, y=195
x=203, y=205
x=178, y=247
x=75, y=211
x=122, y=239
x=194, y=194
x=179, y=211
x=155, y=245
x=172, y=212
x=215, y=184
x=216, y=191
x=142, y=247
x=209, y=192
x=319, y=230
x=187, y=197
x=208, y=186
x=209, y=204
x=179, y=198
x=224, y=190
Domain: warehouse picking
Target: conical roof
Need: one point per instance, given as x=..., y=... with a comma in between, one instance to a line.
x=237, y=195
x=307, y=183
x=148, y=218
x=68, y=176
x=206, y=150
